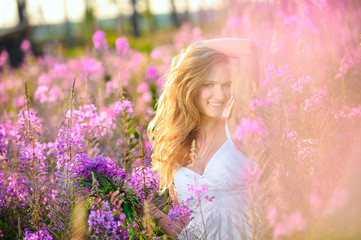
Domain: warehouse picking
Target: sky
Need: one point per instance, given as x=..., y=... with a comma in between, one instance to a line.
x=52, y=11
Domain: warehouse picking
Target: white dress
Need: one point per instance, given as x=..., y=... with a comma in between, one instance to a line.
x=224, y=216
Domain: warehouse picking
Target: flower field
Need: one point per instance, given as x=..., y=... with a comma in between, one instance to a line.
x=72, y=130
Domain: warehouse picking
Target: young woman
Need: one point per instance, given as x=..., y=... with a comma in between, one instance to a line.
x=197, y=106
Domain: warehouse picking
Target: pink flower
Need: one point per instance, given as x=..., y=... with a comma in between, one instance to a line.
x=143, y=87
x=3, y=57
x=99, y=40
x=289, y=224
x=272, y=215
x=92, y=66
x=136, y=60
x=249, y=128
x=25, y=45
x=122, y=45
x=298, y=87
x=151, y=73
x=315, y=202
x=273, y=95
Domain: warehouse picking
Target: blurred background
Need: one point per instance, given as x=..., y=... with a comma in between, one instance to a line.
x=297, y=40
x=71, y=23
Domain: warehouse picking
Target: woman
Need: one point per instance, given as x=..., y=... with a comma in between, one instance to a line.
x=197, y=91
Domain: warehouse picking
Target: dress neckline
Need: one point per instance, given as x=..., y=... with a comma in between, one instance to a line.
x=228, y=135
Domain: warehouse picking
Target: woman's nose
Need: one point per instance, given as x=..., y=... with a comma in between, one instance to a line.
x=218, y=93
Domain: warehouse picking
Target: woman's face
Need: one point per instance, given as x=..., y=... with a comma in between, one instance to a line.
x=215, y=92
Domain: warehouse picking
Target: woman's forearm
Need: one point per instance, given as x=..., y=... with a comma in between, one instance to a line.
x=243, y=49
x=232, y=47
x=167, y=226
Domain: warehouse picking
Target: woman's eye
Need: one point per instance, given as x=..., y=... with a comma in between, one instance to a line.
x=208, y=85
x=227, y=85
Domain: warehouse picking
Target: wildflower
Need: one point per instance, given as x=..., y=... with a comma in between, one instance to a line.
x=101, y=222
x=25, y=45
x=99, y=40
x=43, y=234
x=316, y=100
x=3, y=57
x=2, y=145
x=28, y=134
x=43, y=94
x=273, y=95
x=68, y=138
x=273, y=73
x=272, y=215
x=121, y=107
x=289, y=224
x=100, y=165
x=143, y=87
x=151, y=73
x=198, y=191
x=92, y=66
x=299, y=85
x=180, y=213
x=145, y=181
x=259, y=102
x=122, y=45
x=249, y=128
x=136, y=60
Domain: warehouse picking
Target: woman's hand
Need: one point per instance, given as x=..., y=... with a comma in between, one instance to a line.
x=115, y=201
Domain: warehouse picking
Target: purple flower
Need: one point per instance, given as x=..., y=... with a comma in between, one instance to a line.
x=144, y=180
x=151, y=73
x=99, y=165
x=43, y=234
x=122, y=45
x=180, y=213
x=2, y=144
x=32, y=151
x=101, y=222
x=120, y=107
x=99, y=40
x=28, y=123
x=13, y=191
x=91, y=122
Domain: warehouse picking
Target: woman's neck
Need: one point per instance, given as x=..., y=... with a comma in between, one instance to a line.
x=207, y=125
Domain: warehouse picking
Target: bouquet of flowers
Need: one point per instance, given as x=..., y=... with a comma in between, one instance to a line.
x=100, y=176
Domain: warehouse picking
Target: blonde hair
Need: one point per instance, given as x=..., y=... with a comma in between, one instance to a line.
x=177, y=117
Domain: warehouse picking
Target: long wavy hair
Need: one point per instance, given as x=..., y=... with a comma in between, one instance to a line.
x=177, y=118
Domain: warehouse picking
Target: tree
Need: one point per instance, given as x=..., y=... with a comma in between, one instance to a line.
x=174, y=14
x=134, y=19
x=21, y=10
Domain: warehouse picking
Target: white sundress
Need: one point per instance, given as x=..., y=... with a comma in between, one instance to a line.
x=223, y=217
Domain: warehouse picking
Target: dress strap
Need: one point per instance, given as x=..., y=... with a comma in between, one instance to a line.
x=228, y=134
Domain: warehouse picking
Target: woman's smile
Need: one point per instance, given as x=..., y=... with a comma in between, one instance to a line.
x=215, y=92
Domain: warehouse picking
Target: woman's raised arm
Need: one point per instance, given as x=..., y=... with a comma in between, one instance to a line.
x=243, y=49
x=232, y=47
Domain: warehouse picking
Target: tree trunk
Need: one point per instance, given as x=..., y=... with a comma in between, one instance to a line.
x=134, y=19
x=68, y=31
x=174, y=15
x=21, y=10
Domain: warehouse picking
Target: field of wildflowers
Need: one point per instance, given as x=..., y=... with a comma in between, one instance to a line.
x=74, y=129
